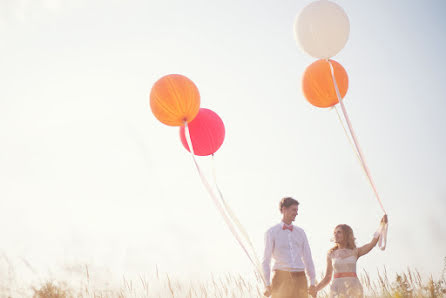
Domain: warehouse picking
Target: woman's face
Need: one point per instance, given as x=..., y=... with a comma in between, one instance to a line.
x=339, y=236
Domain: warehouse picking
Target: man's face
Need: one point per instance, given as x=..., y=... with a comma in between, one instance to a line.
x=290, y=213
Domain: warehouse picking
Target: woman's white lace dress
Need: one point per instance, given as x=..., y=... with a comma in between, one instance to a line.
x=344, y=263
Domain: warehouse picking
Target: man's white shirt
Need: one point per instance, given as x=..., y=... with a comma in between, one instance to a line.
x=290, y=251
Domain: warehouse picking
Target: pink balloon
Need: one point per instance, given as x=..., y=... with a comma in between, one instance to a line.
x=207, y=133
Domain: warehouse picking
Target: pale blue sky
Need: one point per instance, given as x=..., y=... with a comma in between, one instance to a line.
x=88, y=175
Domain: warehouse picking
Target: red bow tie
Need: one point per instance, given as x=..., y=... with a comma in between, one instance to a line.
x=287, y=227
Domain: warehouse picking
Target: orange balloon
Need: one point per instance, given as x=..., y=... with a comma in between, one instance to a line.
x=174, y=99
x=318, y=86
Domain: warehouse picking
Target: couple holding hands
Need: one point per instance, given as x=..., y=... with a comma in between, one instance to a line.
x=287, y=244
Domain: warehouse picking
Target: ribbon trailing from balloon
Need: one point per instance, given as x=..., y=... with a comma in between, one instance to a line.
x=382, y=242
x=355, y=139
x=225, y=211
x=257, y=263
x=175, y=101
x=322, y=30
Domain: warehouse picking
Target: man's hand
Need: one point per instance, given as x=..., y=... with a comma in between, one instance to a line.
x=268, y=291
x=312, y=291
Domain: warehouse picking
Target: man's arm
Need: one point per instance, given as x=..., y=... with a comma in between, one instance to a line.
x=266, y=263
x=308, y=260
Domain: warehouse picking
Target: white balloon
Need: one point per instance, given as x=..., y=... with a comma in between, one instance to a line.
x=322, y=29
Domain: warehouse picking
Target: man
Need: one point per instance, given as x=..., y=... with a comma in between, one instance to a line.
x=289, y=247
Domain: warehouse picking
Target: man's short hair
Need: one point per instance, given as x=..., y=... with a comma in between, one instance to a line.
x=287, y=202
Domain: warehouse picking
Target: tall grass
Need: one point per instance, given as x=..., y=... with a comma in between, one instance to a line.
x=406, y=284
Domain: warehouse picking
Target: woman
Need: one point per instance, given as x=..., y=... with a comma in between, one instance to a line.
x=341, y=260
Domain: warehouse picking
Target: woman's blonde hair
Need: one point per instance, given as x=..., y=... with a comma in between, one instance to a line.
x=349, y=237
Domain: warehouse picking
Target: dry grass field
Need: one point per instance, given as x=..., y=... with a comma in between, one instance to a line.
x=406, y=284
x=82, y=284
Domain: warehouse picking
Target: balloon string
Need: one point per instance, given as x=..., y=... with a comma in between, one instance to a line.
x=355, y=140
x=217, y=203
x=360, y=155
x=346, y=134
x=235, y=219
x=383, y=236
x=383, y=229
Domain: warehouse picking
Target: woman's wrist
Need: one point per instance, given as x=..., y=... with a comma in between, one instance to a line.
x=376, y=235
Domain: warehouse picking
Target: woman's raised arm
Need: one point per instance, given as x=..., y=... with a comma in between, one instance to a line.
x=365, y=249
